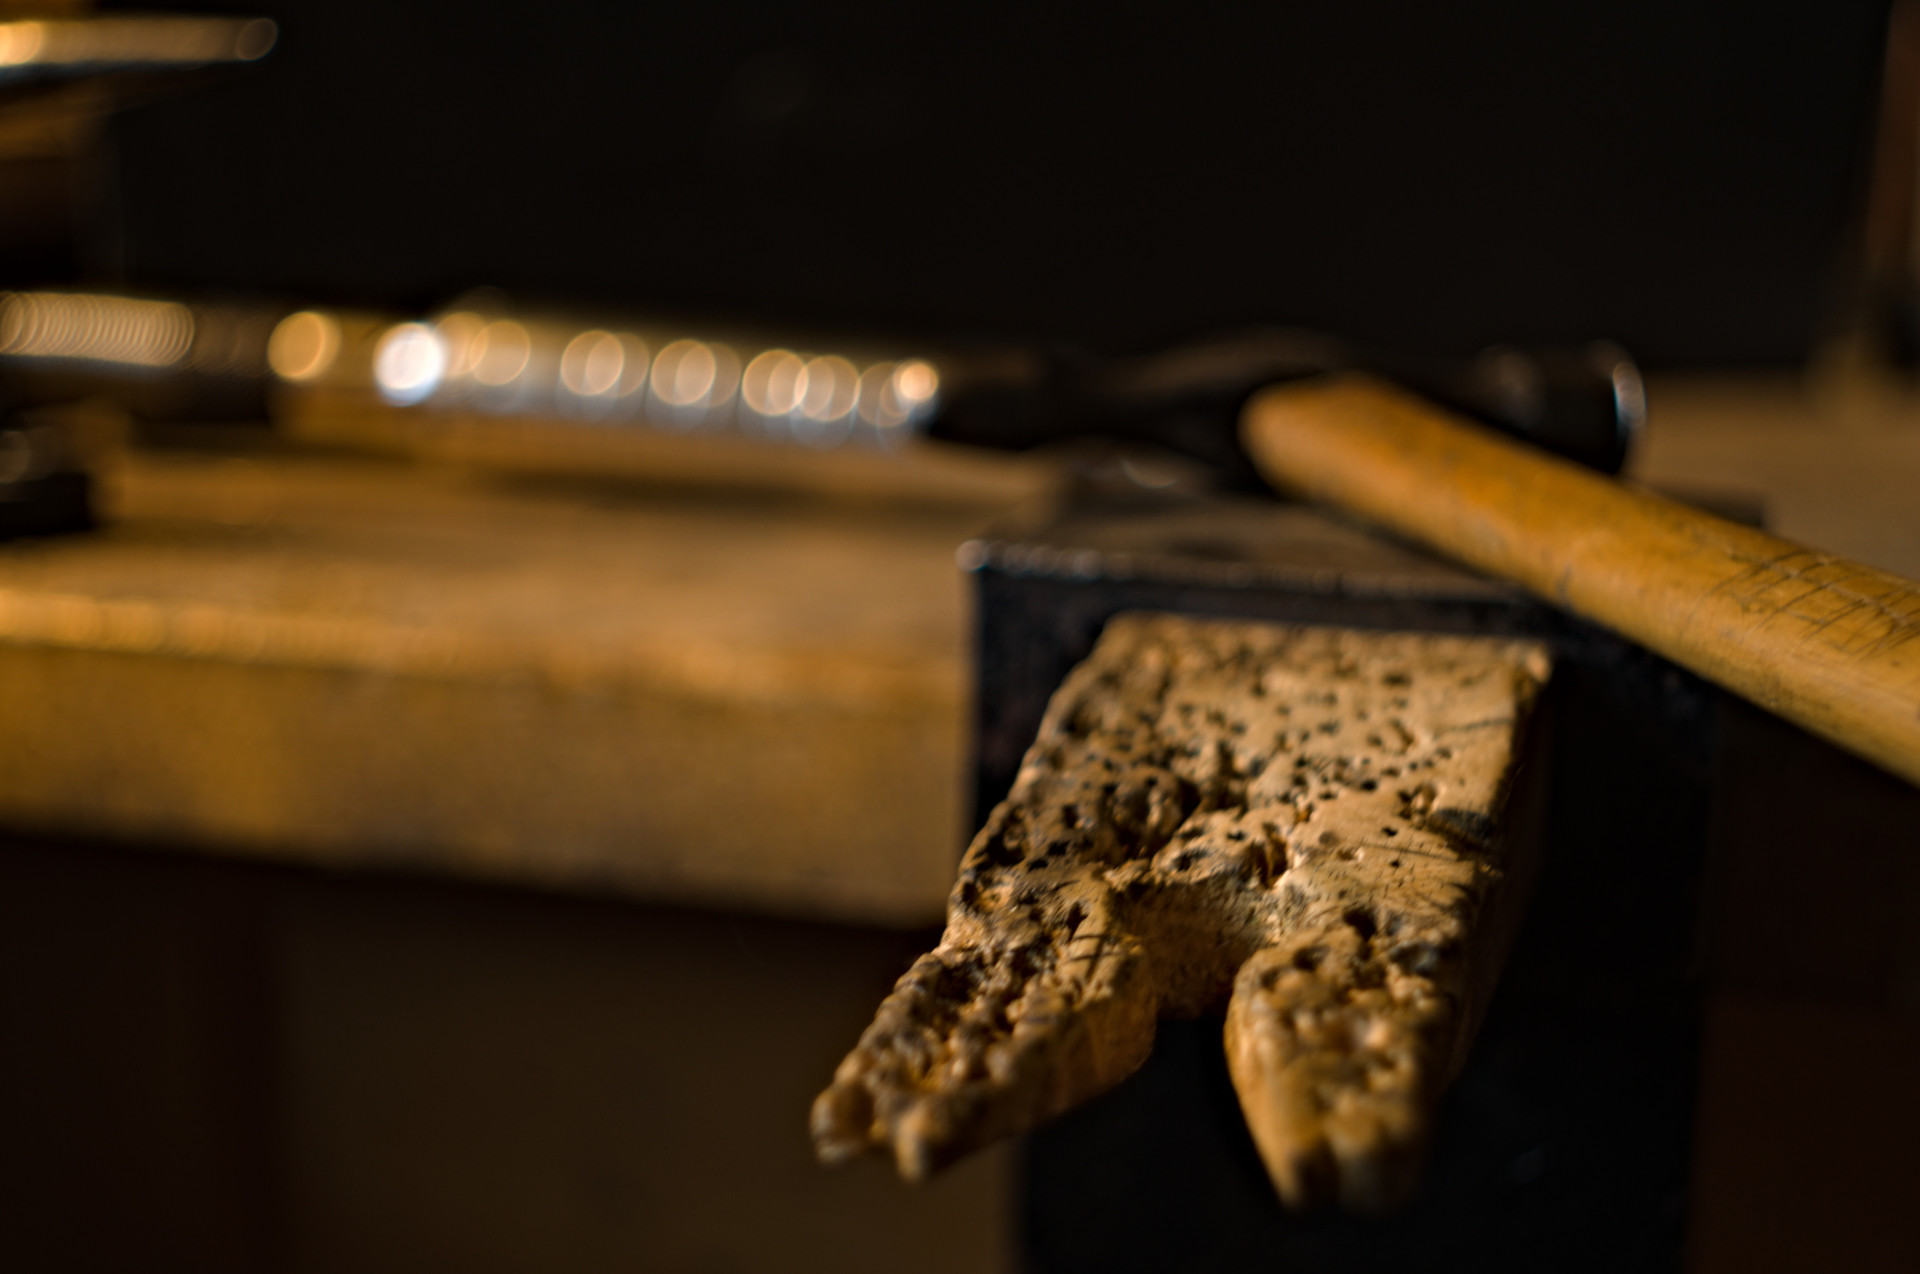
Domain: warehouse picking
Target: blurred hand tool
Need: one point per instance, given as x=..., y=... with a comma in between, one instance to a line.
x=133, y=55
x=1585, y=404
x=1822, y=641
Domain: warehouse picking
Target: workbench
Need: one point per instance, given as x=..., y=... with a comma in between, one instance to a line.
x=423, y=864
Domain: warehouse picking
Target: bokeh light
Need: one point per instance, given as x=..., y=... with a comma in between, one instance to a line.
x=94, y=328
x=592, y=365
x=304, y=346
x=459, y=332
x=832, y=388
x=20, y=42
x=500, y=353
x=409, y=363
x=774, y=382
x=915, y=383
x=684, y=373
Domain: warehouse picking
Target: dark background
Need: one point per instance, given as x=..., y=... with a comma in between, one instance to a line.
x=1678, y=175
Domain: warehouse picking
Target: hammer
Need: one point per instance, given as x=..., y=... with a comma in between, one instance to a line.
x=1499, y=464
x=1827, y=643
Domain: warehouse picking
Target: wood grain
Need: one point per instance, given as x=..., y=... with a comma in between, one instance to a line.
x=1828, y=643
x=722, y=699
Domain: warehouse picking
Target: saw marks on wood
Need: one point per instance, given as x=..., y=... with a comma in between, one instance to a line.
x=1307, y=826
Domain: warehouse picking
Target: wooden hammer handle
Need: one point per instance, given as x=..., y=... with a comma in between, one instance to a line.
x=1824, y=642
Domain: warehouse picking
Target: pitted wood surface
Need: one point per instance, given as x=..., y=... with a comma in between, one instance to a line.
x=1305, y=825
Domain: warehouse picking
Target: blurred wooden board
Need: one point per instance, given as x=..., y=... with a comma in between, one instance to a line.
x=745, y=700
x=1836, y=462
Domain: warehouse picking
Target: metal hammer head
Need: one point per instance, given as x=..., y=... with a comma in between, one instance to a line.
x=1585, y=404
